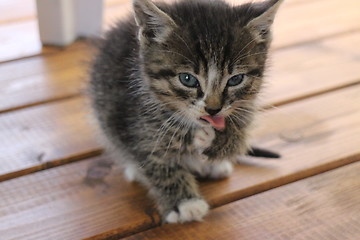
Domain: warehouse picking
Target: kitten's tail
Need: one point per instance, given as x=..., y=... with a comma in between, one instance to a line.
x=259, y=152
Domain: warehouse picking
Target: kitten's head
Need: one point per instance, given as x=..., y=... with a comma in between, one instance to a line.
x=205, y=59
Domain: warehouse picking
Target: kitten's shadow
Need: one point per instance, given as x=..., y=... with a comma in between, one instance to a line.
x=99, y=170
x=255, y=164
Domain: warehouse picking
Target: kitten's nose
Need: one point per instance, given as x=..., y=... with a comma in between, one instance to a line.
x=212, y=111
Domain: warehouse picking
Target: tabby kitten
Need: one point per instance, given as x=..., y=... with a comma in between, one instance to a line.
x=174, y=90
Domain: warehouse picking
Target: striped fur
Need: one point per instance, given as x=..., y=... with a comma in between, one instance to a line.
x=144, y=110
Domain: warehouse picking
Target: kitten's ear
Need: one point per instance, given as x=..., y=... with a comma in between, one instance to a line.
x=154, y=24
x=260, y=25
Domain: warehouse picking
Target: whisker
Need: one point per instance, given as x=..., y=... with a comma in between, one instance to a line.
x=243, y=110
x=187, y=46
x=240, y=52
x=241, y=120
x=164, y=128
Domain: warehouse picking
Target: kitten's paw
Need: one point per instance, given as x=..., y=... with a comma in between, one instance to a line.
x=203, y=138
x=190, y=210
x=218, y=170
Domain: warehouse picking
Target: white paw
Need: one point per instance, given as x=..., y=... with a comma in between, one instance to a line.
x=203, y=138
x=217, y=170
x=189, y=210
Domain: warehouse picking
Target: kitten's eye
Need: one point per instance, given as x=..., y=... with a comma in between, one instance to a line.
x=235, y=80
x=188, y=80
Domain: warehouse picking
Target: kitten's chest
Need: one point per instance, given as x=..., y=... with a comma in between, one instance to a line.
x=226, y=144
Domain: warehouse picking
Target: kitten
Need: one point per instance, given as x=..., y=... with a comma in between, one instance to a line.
x=174, y=89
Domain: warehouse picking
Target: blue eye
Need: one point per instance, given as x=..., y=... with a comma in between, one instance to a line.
x=235, y=80
x=188, y=80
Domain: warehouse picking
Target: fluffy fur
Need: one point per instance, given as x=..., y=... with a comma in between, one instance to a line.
x=146, y=113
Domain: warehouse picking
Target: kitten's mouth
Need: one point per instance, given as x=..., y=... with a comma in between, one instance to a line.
x=218, y=122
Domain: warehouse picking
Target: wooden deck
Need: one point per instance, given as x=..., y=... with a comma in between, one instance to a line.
x=55, y=184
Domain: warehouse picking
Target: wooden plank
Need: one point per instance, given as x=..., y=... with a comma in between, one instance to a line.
x=61, y=203
x=314, y=68
x=61, y=206
x=18, y=85
x=295, y=73
x=302, y=23
x=312, y=135
x=326, y=206
x=37, y=138
x=44, y=78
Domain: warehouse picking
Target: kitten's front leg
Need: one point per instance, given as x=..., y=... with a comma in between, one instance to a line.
x=175, y=191
x=203, y=139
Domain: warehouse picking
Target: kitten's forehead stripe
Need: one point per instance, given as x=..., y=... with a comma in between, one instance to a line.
x=226, y=52
x=199, y=52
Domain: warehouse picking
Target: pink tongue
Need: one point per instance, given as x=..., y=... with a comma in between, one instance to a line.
x=217, y=122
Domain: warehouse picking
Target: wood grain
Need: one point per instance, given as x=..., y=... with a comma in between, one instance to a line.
x=45, y=136
x=72, y=202
x=312, y=135
x=46, y=78
x=295, y=73
x=49, y=124
x=326, y=206
x=306, y=22
x=314, y=53
x=311, y=69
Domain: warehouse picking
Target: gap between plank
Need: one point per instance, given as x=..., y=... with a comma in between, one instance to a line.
x=51, y=164
x=39, y=103
x=319, y=39
x=308, y=96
